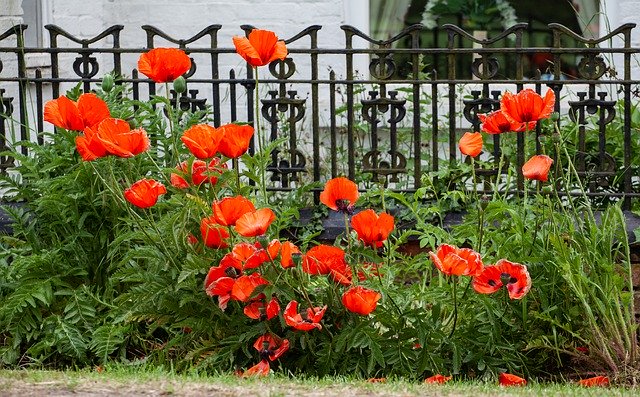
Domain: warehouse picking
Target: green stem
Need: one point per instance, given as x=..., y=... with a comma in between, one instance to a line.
x=174, y=141
x=261, y=143
x=455, y=307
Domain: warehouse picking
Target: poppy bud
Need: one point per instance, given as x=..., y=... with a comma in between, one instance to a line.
x=263, y=240
x=547, y=189
x=296, y=257
x=107, y=82
x=484, y=202
x=180, y=85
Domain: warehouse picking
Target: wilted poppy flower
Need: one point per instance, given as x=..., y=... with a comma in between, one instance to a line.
x=119, y=139
x=497, y=123
x=260, y=48
x=455, y=261
x=258, y=310
x=286, y=249
x=322, y=258
x=437, y=379
x=470, y=144
x=340, y=194
x=144, y=193
x=595, y=381
x=271, y=347
x=360, y=300
x=245, y=256
x=260, y=369
x=89, y=111
x=377, y=380
x=255, y=223
x=372, y=228
x=511, y=380
x=227, y=211
x=235, y=139
x=164, y=65
x=527, y=105
x=202, y=140
x=89, y=146
x=309, y=321
x=214, y=235
x=537, y=168
x=201, y=173
x=514, y=275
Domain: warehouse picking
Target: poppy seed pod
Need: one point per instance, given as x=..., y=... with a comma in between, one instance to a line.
x=107, y=82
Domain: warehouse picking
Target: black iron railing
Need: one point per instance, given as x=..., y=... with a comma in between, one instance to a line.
x=376, y=125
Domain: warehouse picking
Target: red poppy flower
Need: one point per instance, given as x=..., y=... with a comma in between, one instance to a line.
x=255, y=223
x=322, y=258
x=527, y=105
x=235, y=139
x=228, y=210
x=372, y=228
x=340, y=194
x=89, y=111
x=245, y=256
x=89, y=146
x=438, y=379
x=260, y=369
x=511, y=380
x=214, y=235
x=455, y=261
x=470, y=144
x=202, y=140
x=119, y=139
x=164, y=65
x=258, y=310
x=219, y=282
x=310, y=321
x=341, y=274
x=377, y=380
x=514, y=275
x=201, y=173
x=271, y=347
x=144, y=193
x=286, y=249
x=244, y=287
x=537, y=168
x=261, y=47
x=595, y=381
x=360, y=300
x=497, y=123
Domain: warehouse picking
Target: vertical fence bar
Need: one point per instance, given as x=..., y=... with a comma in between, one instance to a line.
x=417, y=136
x=315, y=110
x=332, y=124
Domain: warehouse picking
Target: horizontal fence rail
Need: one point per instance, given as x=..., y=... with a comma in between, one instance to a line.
x=391, y=123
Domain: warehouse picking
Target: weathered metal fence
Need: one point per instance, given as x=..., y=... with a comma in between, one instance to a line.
x=372, y=125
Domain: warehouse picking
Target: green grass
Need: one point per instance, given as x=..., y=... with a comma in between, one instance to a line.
x=131, y=381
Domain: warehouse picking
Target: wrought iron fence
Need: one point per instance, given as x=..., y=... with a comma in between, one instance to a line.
x=371, y=125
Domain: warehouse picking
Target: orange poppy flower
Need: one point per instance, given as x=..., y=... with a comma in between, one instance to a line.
x=201, y=173
x=438, y=379
x=89, y=146
x=514, y=275
x=341, y=274
x=470, y=144
x=340, y=194
x=261, y=47
x=89, y=111
x=228, y=210
x=144, y=193
x=245, y=256
x=310, y=321
x=219, y=282
x=595, y=381
x=244, y=287
x=497, y=123
x=164, y=65
x=271, y=347
x=202, y=140
x=537, y=168
x=258, y=310
x=455, y=261
x=286, y=249
x=214, y=235
x=260, y=369
x=255, y=223
x=511, y=380
x=372, y=229
x=527, y=105
x=322, y=258
x=235, y=139
x=360, y=300
x=119, y=139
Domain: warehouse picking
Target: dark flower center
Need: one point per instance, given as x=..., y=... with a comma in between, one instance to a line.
x=231, y=272
x=344, y=206
x=505, y=278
